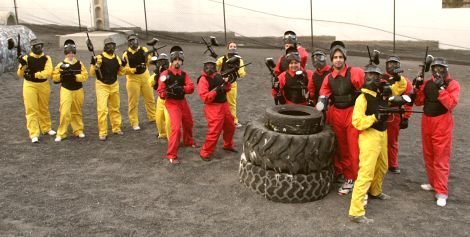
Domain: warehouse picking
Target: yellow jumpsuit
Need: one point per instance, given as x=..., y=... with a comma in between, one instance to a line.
x=373, y=157
x=71, y=101
x=232, y=94
x=162, y=117
x=136, y=85
x=36, y=96
x=107, y=96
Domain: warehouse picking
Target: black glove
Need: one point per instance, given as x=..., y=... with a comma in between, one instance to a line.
x=155, y=79
x=22, y=61
x=93, y=60
x=397, y=77
x=438, y=80
x=140, y=68
x=123, y=62
x=418, y=83
x=220, y=90
x=28, y=74
x=179, y=91
x=404, y=123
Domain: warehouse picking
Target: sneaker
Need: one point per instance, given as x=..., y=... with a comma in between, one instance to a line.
x=103, y=138
x=81, y=135
x=58, y=139
x=51, y=132
x=174, y=161
x=230, y=149
x=238, y=125
x=35, y=140
x=361, y=219
x=427, y=187
x=394, y=170
x=208, y=158
x=136, y=128
x=161, y=137
x=441, y=202
x=346, y=188
x=194, y=145
x=119, y=133
x=381, y=196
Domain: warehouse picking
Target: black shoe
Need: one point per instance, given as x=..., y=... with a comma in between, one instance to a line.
x=394, y=170
x=206, y=158
x=381, y=196
x=230, y=149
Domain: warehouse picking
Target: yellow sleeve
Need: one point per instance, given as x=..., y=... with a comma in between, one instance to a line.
x=241, y=71
x=360, y=120
x=56, y=73
x=122, y=70
x=127, y=70
x=218, y=63
x=20, y=71
x=152, y=80
x=83, y=76
x=399, y=87
x=99, y=60
x=46, y=73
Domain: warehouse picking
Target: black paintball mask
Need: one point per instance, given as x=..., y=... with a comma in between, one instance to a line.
x=133, y=42
x=373, y=76
x=110, y=48
x=318, y=59
x=37, y=49
x=439, y=68
x=209, y=68
x=392, y=65
x=290, y=38
x=70, y=47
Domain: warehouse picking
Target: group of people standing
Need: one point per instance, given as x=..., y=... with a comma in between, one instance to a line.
x=171, y=112
x=354, y=100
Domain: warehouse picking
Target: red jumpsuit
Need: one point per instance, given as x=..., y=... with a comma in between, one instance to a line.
x=282, y=64
x=178, y=109
x=217, y=113
x=393, y=129
x=318, y=76
x=291, y=89
x=436, y=128
x=345, y=84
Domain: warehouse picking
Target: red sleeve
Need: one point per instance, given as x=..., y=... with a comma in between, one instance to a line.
x=419, y=100
x=203, y=90
x=325, y=87
x=357, y=77
x=303, y=57
x=228, y=87
x=188, y=85
x=311, y=85
x=162, y=86
x=277, y=69
x=449, y=97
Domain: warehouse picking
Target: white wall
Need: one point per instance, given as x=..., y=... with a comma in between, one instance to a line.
x=422, y=19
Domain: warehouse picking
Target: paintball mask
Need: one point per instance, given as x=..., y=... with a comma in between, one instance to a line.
x=69, y=47
x=109, y=46
x=163, y=62
x=372, y=78
x=319, y=59
x=133, y=41
x=37, y=49
x=392, y=65
x=176, y=52
x=209, y=67
x=290, y=37
x=439, y=67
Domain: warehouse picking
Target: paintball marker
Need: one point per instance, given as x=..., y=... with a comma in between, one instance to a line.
x=229, y=72
x=374, y=59
x=274, y=82
x=19, y=56
x=399, y=101
x=209, y=46
x=90, y=47
x=154, y=51
x=424, y=68
x=67, y=70
x=174, y=89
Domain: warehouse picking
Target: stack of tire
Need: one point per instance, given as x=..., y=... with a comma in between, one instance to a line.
x=288, y=156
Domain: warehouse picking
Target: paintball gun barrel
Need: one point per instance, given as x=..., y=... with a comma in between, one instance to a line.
x=213, y=42
x=270, y=64
x=90, y=47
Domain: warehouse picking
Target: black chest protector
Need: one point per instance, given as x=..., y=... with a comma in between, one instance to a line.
x=295, y=89
x=213, y=83
x=284, y=65
x=343, y=92
x=318, y=81
x=175, y=81
x=68, y=81
x=109, y=69
x=136, y=58
x=373, y=104
x=36, y=65
x=432, y=106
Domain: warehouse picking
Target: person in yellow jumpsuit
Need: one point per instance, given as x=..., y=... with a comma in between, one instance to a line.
x=373, y=158
x=137, y=75
x=70, y=73
x=162, y=118
x=222, y=66
x=36, y=68
x=110, y=67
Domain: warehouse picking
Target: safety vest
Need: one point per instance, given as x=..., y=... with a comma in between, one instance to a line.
x=432, y=106
x=295, y=88
x=318, y=81
x=175, y=80
x=69, y=81
x=36, y=65
x=373, y=104
x=109, y=69
x=136, y=58
x=343, y=92
x=213, y=83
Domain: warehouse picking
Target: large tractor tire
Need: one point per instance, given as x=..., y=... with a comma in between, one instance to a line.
x=285, y=153
x=294, y=119
x=282, y=187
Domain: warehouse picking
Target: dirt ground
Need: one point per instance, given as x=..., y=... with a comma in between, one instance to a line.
x=125, y=187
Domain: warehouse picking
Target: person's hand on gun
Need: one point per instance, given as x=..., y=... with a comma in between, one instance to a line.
x=22, y=61
x=139, y=69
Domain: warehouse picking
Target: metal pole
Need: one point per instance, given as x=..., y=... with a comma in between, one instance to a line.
x=311, y=22
x=225, y=26
x=393, y=26
x=79, y=23
x=145, y=14
x=16, y=12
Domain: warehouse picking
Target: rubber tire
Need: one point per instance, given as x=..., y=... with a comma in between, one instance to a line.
x=287, y=188
x=307, y=121
x=284, y=153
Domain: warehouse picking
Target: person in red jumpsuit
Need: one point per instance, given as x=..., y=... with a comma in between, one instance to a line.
x=295, y=84
x=213, y=90
x=341, y=86
x=396, y=121
x=290, y=40
x=174, y=83
x=439, y=95
x=321, y=70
